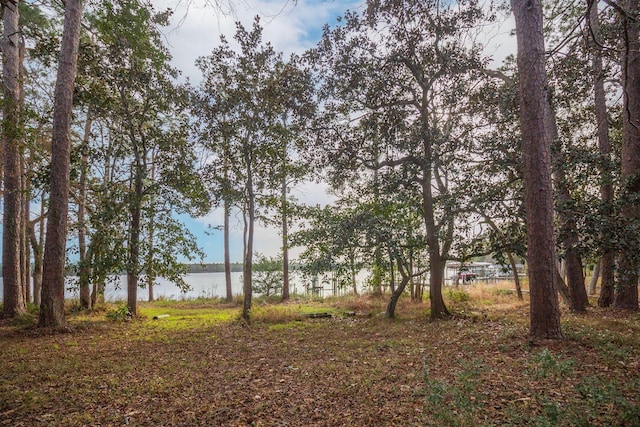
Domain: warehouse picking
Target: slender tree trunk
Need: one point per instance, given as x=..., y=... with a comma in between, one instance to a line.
x=85, y=269
x=227, y=257
x=149, y=266
x=52, y=307
x=133, y=268
x=247, y=268
x=390, y=313
x=13, y=294
x=594, y=278
x=627, y=291
x=25, y=253
x=607, y=262
x=285, y=237
x=26, y=188
x=37, y=246
x=516, y=278
x=545, y=311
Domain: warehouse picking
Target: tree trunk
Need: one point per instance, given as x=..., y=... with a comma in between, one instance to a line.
x=133, y=268
x=627, y=289
x=247, y=268
x=516, y=278
x=25, y=253
x=544, y=311
x=285, y=237
x=227, y=260
x=390, y=313
x=594, y=278
x=607, y=262
x=36, y=248
x=151, y=274
x=52, y=307
x=13, y=294
x=85, y=269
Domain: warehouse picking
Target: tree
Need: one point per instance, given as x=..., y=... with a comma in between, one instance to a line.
x=629, y=260
x=52, y=307
x=240, y=100
x=12, y=133
x=396, y=95
x=607, y=263
x=545, y=313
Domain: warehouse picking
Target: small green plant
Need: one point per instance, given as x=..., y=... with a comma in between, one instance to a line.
x=119, y=314
x=459, y=296
x=549, y=364
x=502, y=292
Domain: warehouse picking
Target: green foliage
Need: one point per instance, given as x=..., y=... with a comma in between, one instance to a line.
x=119, y=314
x=267, y=275
x=458, y=295
x=547, y=364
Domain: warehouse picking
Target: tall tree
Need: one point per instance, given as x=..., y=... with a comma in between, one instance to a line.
x=629, y=261
x=396, y=91
x=52, y=306
x=12, y=224
x=607, y=262
x=545, y=312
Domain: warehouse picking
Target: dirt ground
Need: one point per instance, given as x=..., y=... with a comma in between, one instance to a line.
x=202, y=367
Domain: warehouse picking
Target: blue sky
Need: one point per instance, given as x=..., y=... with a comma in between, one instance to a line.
x=290, y=28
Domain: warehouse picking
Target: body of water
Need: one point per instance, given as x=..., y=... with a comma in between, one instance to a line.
x=206, y=285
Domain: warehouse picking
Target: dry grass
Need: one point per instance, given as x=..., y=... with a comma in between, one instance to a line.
x=201, y=366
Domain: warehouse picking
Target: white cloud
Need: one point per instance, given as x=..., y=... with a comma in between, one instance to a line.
x=289, y=27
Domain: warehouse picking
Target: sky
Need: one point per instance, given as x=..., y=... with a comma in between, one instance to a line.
x=291, y=27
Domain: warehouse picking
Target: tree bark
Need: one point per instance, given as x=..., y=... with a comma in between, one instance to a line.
x=227, y=258
x=544, y=310
x=607, y=262
x=627, y=291
x=247, y=268
x=85, y=269
x=13, y=294
x=594, y=278
x=52, y=306
x=516, y=278
x=390, y=313
x=135, y=212
x=285, y=235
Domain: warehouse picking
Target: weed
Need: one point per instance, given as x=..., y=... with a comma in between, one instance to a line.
x=458, y=295
x=119, y=314
x=550, y=365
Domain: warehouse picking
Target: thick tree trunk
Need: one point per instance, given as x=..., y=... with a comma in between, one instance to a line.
x=85, y=269
x=545, y=312
x=627, y=289
x=13, y=293
x=227, y=257
x=52, y=306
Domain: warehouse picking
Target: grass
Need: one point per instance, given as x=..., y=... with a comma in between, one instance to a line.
x=201, y=365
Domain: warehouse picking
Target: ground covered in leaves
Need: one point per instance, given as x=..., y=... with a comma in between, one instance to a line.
x=202, y=366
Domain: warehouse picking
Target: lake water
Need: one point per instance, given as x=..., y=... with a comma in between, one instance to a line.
x=208, y=285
